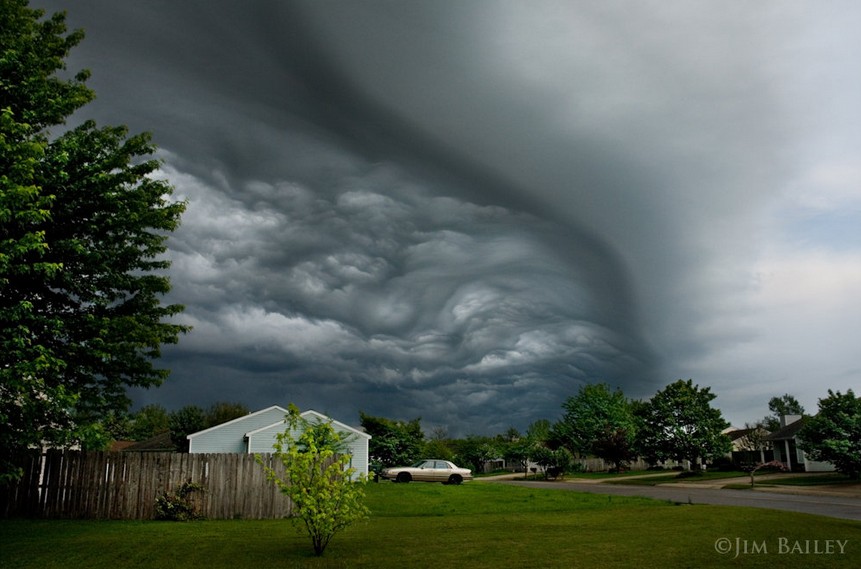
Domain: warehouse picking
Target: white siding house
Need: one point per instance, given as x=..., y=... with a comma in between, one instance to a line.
x=787, y=449
x=230, y=436
x=255, y=433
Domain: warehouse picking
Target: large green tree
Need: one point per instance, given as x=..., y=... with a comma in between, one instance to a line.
x=83, y=225
x=834, y=433
x=599, y=422
x=183, y=422
x=148, y=422
x=679, y=423
x=224, y=411
x=393, y=442
x=474, y=451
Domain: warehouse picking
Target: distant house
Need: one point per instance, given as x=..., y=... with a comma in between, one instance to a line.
x=158, y=443
x=256, y=432
x=787, y=450
x=750, y=446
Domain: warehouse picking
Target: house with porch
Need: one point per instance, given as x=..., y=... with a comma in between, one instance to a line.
x=750, y=446
x=787, y=449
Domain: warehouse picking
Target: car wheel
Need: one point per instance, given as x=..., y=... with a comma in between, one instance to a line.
x=455, y=479
x=404, y=477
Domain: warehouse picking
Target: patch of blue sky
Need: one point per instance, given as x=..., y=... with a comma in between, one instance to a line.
x=835, y=230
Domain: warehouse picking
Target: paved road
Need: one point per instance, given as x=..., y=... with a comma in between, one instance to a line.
x=833, y=506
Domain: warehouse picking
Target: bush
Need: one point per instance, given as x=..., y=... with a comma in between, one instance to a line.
x=178, y=506
x=317, y=478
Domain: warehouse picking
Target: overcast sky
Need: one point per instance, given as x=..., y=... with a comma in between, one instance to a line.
x=463, y=211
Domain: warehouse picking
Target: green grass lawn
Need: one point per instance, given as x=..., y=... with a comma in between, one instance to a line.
x=828, y=479
x=475, y=525
x=815, y=480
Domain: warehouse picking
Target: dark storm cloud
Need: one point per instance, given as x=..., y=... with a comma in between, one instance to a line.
x=461, y=210
x=392, y=295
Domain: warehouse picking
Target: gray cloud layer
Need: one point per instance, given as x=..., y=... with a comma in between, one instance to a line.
x=462, y=211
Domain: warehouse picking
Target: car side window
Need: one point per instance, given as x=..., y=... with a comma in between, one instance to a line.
x=441, y=464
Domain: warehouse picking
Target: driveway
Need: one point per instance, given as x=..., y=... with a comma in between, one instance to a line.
x=822, y=503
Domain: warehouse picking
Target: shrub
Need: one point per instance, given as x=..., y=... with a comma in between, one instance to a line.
x=318, y=478
x=178, y=506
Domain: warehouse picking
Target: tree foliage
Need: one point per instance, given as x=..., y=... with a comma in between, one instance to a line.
x=224, y=411
x=556, y=461
x=183, y=422
x=834, y=433
x=393, y=442
x=474, y=451
x=83, y=226
x=540, y=445
x=679, y=423
x=438, y=445
x=318, y=480
x=518, y=452
x=786, y=404
x=149, y=421
x=599, y=422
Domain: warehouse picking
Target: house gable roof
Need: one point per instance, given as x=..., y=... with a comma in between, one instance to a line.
x=314, y=415
x=787, y=432
x=239, y=419
x=735, y=434
x=739, y=433
x=321, y=417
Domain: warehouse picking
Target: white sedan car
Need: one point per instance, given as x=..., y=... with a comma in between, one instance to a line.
x=430, y=470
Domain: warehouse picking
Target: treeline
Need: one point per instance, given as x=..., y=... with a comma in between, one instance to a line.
x=677, y=424
x=153, y=420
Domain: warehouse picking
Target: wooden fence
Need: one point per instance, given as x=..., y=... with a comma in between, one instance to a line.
x=118, y=485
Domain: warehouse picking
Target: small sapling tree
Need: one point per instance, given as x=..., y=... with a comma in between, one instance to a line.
x=326, y=493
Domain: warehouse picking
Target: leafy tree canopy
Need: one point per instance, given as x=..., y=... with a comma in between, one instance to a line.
x=679, y=423
x=474, y=451
x=834, y=433
x=224, y=411
x=599, y=422
x=183, y=422
x=83, y=226
x=786, y=404
x=393, y=442
x=149, y=421
x=438, y=445
x=540, y=431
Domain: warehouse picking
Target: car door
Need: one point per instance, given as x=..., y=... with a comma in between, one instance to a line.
x=425, y=471
x=442, y=471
